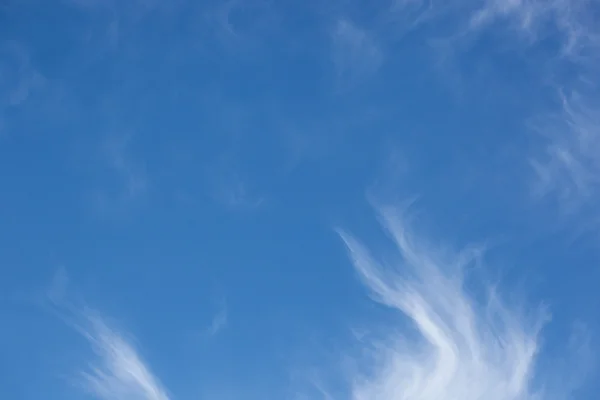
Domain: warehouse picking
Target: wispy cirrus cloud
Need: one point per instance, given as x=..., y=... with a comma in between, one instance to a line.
x=127, y=181
x=568, y=168
x=566, y=37
x=219, y=321
x=571, y=20
x=356, y=53
x=456, y=345
x=116, y=371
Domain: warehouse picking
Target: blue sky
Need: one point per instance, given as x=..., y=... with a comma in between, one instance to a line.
x=345, y=200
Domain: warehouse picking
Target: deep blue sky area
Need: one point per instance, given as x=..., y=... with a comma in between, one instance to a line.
x=348, y=200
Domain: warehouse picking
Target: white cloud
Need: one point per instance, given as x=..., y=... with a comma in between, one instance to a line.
x=465, y=347
x=569, y=18
x=116, y=372
x=114, y=368
x=356, y=54
x=567, y=34
x=569, y=166
x=573, y=20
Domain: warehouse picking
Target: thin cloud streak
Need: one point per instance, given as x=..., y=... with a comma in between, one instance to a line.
x=467, y=348
x=117, y=372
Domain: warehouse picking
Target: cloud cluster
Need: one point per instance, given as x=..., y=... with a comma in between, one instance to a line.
x=451, y=340
x=463, y=346
x=566, y=168
x=566, y=37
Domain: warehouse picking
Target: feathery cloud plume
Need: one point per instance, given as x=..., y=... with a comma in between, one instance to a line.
x=117, y=372
x=466, y=347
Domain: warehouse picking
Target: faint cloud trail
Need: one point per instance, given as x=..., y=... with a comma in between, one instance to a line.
x=356, y=54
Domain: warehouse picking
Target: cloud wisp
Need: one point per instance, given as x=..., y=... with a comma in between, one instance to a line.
x=219, y=321
x=569, y=166
x=356, y=54
x=116, y=372
x=462, y=346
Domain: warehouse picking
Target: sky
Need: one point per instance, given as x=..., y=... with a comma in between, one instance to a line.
x=299, y=200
